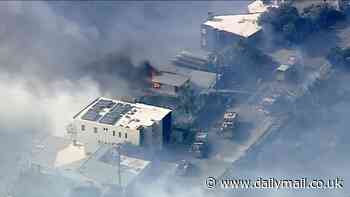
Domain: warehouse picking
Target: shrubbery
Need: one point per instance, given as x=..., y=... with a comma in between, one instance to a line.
x=243, y=53
x=243, y=56
x=295, y=27
x=340, y=57
x=322, y=16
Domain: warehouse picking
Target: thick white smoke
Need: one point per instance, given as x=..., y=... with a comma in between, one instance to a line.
x=44, y=47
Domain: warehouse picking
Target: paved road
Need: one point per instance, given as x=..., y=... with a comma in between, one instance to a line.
x=317, y=147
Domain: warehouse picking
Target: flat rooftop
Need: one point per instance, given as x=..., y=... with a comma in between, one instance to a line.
x=201, y=80
x=283, y=68
x=244, y=25
x=103, y=167
x=119, y=113
x=172, y=79
x=59, y=153
x=200, y=54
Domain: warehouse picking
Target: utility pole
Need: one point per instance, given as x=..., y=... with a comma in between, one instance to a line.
x=218, y=64
x=119, y=149
x=117, y=152
x=119, y=176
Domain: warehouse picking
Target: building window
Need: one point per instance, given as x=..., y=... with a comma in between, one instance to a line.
x=126, y=135
x=142, y=137
x=204, y=42
x=95, y=129
x=120, y=134
x=83, y=127
x=156, y=85
x=113, y=133
x=105, y=129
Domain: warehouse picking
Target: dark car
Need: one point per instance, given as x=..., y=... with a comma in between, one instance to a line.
x=202, y=137
x=199, y=149
x=183, y=168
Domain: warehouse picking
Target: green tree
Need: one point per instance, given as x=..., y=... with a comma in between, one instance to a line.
x=243, y=53
x=340, y=57
x=290, y=32
x=278, y=17
x=322, y=16
x=295, y=27
x=187, y=100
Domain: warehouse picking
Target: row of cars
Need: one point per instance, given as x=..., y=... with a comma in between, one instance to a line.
x=200, y=146
x=229, y=123
x=199, y=149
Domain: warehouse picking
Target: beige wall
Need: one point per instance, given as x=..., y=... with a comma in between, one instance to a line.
x=90, y=137
x=153, y=134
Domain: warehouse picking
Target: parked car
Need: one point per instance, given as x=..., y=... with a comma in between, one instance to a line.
x=183, y=168
x=199, y=149
x=201, y=137
x=229, y=123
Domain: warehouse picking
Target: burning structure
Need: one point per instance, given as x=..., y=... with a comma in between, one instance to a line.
x=169, y=83
x=170, y=79
x=108, y=121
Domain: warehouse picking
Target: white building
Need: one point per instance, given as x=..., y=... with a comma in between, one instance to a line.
x=219, y=31
x=108, y=121
x=57, y=156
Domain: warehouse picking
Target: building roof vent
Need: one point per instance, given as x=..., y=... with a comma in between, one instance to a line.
x=210, y=15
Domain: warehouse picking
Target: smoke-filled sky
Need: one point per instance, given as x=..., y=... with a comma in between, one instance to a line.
x=45, y=48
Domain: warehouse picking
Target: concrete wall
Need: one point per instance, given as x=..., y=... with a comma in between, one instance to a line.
x=89, y=137
x=212, y=39
x=152, y=136
x=208, y=37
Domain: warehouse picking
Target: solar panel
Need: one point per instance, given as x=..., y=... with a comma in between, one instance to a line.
x=93, y=114
x=103, y=104
x=115, y=113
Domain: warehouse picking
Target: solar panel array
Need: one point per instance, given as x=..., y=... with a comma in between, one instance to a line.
x=115, y=113
x=104, y=104
x=93, y=114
